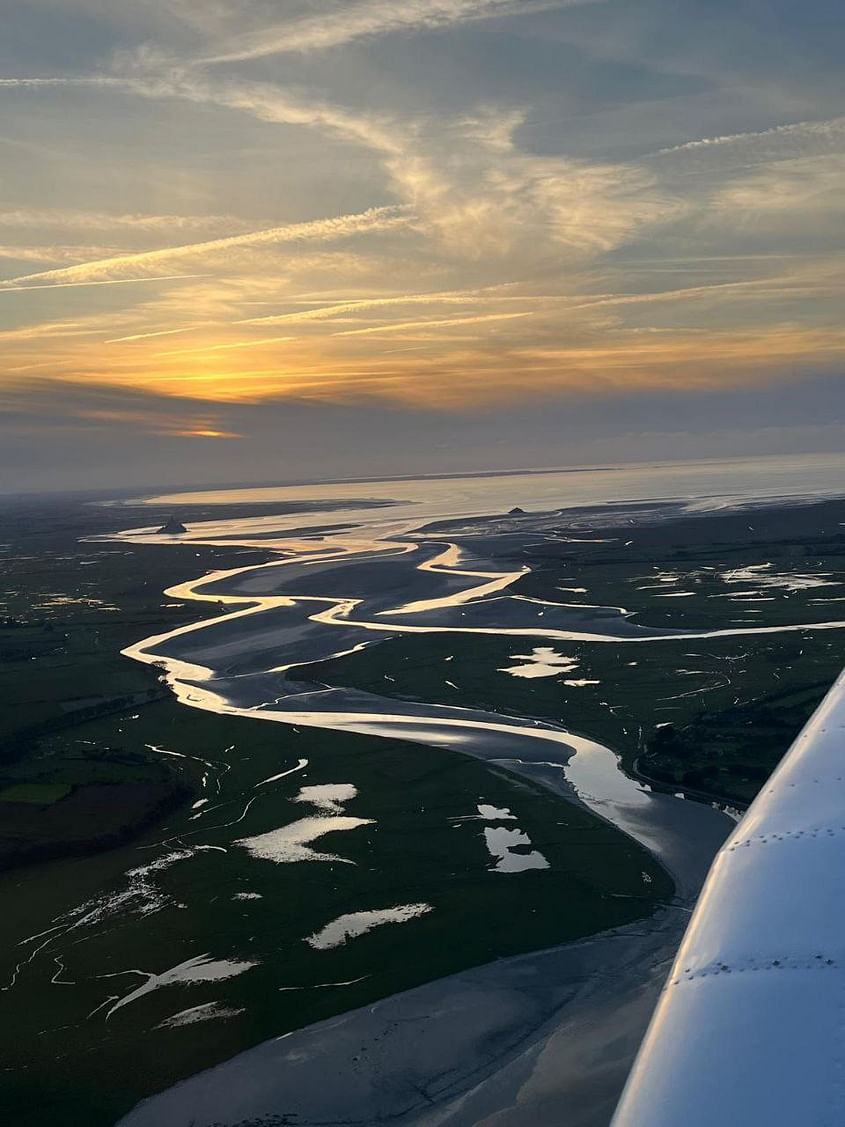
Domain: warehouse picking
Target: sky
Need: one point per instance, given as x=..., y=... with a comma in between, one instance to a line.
x=256, y=240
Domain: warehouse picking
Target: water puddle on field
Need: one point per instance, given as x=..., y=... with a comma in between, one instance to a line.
x=202, y=968
x=543, y=661
x=495, y=813
x=205, y=1012
x=506, y=847
x=291, y=843
x=329, y=797
x=766, y=576
x=350, y=926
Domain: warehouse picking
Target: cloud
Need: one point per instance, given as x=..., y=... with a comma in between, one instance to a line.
x=146, y=336
x=447, y=297
x=62, y=404
x=10, y=286
x=75, y=219
x=364, y=439
x=465, y=181
x=225, y=347
x=63, y=328
x=34, y=83
x=548, y=353
x=368, y=19
x=781, y=142
x=205, y=432
x=816, y=278
x=207, y=16
x=402, y=326
x=786, y=190
x=150, y=75
x=125, y=266
x=65, y=253
x=707, y=358
x=520, y=264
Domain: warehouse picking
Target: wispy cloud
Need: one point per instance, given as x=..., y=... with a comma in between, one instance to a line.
x=75, y=219
x=799, y=283
x=11, y=285
x=130, y=265
x=147, y=336
x=402, y=326
x=466, y=181
x=62, y=328
x=804, y=188
x=58, y=80
x=444, y=297
x=54, y=254
x=205, y=432
x=830, y=130
x=225, y=347
x=512, y=262
x=480, y=371
x=651, y=358
x=369, y=19
x=208, y=17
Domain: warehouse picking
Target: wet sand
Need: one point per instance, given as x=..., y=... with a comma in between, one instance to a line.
x=542, y=1038
x=537, y=1039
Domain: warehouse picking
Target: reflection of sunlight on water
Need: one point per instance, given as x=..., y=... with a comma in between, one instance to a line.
x=501, y=842
x=495, y=813
x=400, y=567
x=543, y=661
x=353, y=924
x=205, y=1012
x=201, y=968
x=291, y=843
x=764, y=576
x=327, y=796
x=595, y=774
x=281, y=775
x=713, y=482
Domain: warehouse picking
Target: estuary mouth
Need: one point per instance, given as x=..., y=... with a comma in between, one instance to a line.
x=485, y=738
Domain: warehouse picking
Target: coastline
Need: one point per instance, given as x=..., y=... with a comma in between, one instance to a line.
x=522, y=1053
x=549, y=1034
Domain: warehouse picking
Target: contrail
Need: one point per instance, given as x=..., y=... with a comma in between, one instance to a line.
x=320, y=230
x=7, y=287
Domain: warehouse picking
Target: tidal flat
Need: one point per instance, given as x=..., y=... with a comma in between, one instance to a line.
x=435, y=785
x=414, y=836
x=100, y=950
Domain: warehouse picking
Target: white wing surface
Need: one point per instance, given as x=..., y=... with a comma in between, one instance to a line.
x=750, y=1027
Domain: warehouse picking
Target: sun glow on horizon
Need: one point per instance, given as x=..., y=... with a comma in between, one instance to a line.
x=474, y=239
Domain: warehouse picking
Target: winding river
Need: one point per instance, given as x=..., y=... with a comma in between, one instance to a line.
x=361, y=575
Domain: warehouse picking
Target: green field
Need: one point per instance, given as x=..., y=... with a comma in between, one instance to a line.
x=38, y=794
x=135, y=878
x=125, y=814
x=737, y=702
x=425, y=844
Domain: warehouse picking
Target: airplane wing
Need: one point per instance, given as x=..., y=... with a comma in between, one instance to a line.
x=750, y=1027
